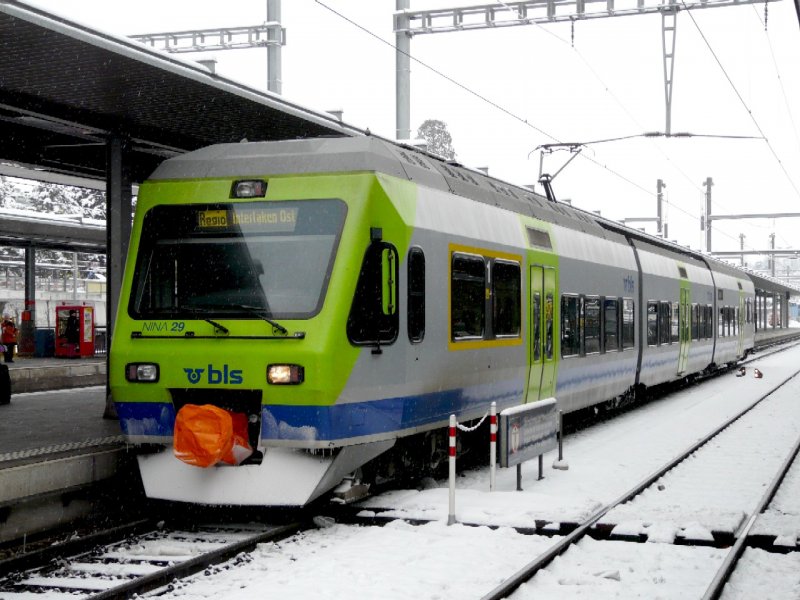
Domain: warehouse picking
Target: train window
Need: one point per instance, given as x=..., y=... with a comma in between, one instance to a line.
x=506, y=298
x=695, y=321
x=467, y=296
x=675, y=325
x=722, y=325
x=373, y=317
x=416, y=294
x=627, y=323
x=709, y=321
x=664, y=312
x=652, y=323
x=610, y=324
x=570, y=332
x=236, y=260
x=591, y=325
x=539, y=238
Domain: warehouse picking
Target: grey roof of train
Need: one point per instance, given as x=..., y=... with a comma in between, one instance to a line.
x=374, y=154
x=370, y=154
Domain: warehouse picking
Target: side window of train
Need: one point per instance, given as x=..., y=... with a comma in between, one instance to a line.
x=708, y=321
x=628, y=323
x=610, y=324
x=652, y=323
x=467, y=296
x=664, y=322
x=721, y=322
x=373, y=318
x=570, y=331
x=416, y=295
x=696, y=323
x=506, y=298
x=591, y=325
x=675, y=324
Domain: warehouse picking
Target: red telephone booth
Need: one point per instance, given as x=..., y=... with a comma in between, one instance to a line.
x=74, y=331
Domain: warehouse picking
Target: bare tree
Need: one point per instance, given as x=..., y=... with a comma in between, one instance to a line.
x=439, y=140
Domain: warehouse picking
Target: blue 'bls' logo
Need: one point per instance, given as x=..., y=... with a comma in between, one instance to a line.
x=225, y=375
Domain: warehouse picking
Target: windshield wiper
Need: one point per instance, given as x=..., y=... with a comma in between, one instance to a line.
x=218, y=326
x=260, y=313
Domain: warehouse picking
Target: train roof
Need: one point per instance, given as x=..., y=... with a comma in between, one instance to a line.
x=370, y=154
x=375, y=154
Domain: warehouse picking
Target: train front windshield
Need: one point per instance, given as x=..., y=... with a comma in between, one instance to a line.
x=231, y=260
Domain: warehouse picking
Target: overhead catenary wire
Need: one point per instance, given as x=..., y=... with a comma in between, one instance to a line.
x=548, y=135
x=478, y=95
x=742, y=101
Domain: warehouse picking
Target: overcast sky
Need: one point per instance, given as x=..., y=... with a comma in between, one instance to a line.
x=531, y=85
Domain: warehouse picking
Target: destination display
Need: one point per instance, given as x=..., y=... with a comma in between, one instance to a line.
x=262, y=219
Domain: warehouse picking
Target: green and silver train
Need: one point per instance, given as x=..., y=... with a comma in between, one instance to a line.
x=348, y=294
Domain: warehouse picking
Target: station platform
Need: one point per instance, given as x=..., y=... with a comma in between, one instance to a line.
x=56, y=449
x=39, y=374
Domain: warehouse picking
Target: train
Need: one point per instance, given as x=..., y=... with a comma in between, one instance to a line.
x=342, y=297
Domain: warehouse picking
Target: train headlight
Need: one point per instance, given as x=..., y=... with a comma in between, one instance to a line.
x=249, y=188
x=141, y=372
x=285, y=374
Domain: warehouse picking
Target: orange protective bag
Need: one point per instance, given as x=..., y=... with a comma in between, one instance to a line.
x=205, y=435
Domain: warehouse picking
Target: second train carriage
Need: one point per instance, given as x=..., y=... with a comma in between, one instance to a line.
x=344, y=294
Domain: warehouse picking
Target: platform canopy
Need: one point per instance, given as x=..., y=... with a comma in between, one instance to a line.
x=66, y=89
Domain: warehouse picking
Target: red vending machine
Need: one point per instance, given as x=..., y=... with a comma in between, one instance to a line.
x=74, y=331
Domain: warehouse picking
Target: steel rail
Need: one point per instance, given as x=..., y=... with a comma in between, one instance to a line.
x=163, y=577
x=40, y=558
x=527, y=572
x=725, y=571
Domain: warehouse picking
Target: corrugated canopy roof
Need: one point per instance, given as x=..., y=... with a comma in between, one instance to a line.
x=64, y=88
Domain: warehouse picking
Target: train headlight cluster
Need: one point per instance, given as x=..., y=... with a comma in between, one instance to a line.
x=249, y=188
x=141, y=372
x=285, y=374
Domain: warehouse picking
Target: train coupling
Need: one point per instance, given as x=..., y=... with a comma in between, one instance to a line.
x=350, y=490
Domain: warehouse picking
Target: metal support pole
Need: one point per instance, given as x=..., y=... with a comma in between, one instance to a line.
x=403, y=74
x=772, y=256
x=741, y=247
x=669, y=22
x=541, y=467
x=274, y=76
x=26, y=322
x=75, y=276
x=492, y=446
x=519, y=477
x=118, y=233
x=451, y=515
x=560, y=436
x=708, y=183
x=660, y=185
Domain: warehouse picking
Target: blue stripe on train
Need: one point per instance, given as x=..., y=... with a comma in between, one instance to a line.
x=340, y=421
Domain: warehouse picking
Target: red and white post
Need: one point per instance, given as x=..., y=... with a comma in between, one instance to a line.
x=451, y=517
x=492, y=445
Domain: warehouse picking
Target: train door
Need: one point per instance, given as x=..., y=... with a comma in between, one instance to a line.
x=684, y=331
x=541, y=376
x=740, y=318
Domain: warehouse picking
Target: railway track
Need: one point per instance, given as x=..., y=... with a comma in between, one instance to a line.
x=667, y=487
x=141, y=558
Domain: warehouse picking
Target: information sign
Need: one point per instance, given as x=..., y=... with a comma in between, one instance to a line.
x=528, y=431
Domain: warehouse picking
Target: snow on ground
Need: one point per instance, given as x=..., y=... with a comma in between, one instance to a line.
x=437, y=561
x=782, y=517
x=765, y=576
x=600, y=570
x=398, y=561
x=720, y=485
